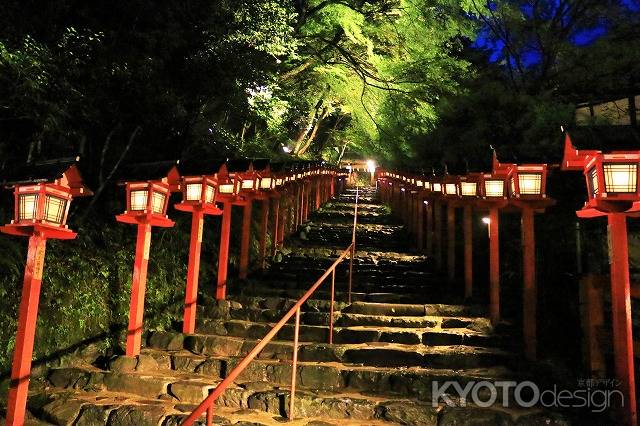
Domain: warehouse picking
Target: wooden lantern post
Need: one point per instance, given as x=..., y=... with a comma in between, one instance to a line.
x=494, y=197
x=527, y=192
x=199, y=187
x=146, y=207
x=469, y=191
x=228, y=190
x=42, y=192
x=611, y=175
x=248, y=178
x=451, y=195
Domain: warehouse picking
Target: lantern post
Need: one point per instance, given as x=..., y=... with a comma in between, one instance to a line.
x=146, y=207
x=612, y=191
x=527, y=192
x=436, y=199
x=279, y=199
x=266, y=191
x=228, y=190
x=451, y=193
x=428, y=211
x=248, y=190
x=419, y=210
x=199, y=188
x=494, y=197
x=42, y=192
x=248, y=180
x=469, y=191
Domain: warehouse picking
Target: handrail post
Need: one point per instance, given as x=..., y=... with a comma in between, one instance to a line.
x=210, y=415
x=353, y=241
x=294, y=366
x=333, y=286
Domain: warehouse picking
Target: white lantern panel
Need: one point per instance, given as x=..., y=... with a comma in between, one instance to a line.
x=247, y=184
x=54, y=209
x=451, y=189
x=138, y=199
x=265, y=183
x=469, y=189
x=621, y=178
x=194, y=191
x=593, y=180
x=494, y=188
x=209, y=194
x=226, y=188
x=28, y=204
x=530, y=183
x=157, y=202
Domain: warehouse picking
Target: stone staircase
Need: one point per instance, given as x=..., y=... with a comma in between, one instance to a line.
x=402, y=332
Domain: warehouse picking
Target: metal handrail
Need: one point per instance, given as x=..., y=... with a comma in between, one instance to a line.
x=208, y=403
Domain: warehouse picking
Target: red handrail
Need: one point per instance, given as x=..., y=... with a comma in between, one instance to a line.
x=208, y=403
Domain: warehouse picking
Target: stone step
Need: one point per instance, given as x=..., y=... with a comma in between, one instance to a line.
x=370, y=354
x=315, y=312
x=328, y=377
x=357, y=334
x=176, y=390
x=377, y=297
x=118, y=409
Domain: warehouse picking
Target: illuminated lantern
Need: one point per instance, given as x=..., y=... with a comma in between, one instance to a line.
x=146, y=206
x=199, y=185
x=469, y=185
x=609, y=157
x=246, y=177
x=493, y=196
x=527, y=192
x=266, y=186
x=42, y=192
x=451, y=186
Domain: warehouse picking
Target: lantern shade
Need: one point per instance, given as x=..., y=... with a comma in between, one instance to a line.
x=620, y=177
x=148, y=188
x=468, y=189
x=266, y=183
x=42, y=196
x=147, y=197
x=494, y=187
x=609, y=157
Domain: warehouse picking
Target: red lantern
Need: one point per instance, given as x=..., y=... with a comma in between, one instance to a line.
x=609, y=158
x=43, y=192
x=146, y=203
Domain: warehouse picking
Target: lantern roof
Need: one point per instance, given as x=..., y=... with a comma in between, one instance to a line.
x=64, y=171
x=605, y=138
x=586, y=141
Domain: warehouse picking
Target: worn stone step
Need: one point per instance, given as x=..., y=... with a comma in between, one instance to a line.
x=390, y=309
x=333, y=376
x=106, y=408
x=131, y=402
x=371, y=354
x=440, y=316
x=439, y=296
x=357, y=334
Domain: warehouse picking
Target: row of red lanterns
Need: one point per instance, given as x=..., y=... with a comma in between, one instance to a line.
x=611, y=177
x=43, y=193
